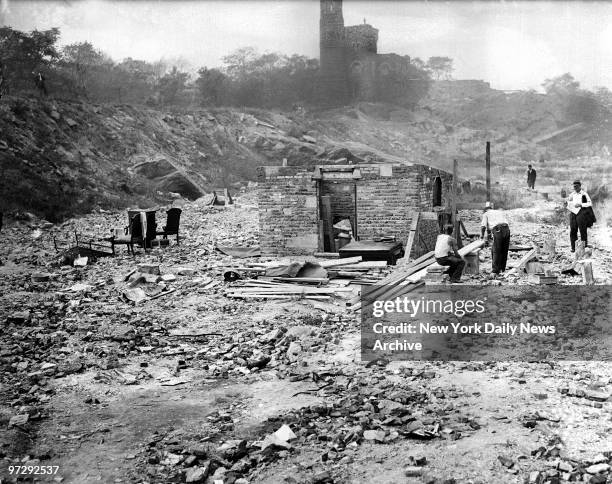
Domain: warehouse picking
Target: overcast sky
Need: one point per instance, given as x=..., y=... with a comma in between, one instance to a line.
x=513, y=45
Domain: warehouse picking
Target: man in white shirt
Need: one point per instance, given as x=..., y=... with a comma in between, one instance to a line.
x=446, y=254
x=577, y=203
x=496, y=223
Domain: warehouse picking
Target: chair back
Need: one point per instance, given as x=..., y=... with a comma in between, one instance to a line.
x=136, y=227
x=173, y=220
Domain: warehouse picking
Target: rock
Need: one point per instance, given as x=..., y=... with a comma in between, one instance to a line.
x=149, y=269
x=19, y=420
x=596, y=395
x=80, y=262
x=285, y=433
x=20, y=317
x=505, y=461
x=300, y=331
x=168, y=277
x=598, y=468
x=40, y=277
x=135, y=295
x=308, y=139
x=378, y=435
x=185, y=271
x=197, y=474
x=55, y=115
x=294, y=351
x=272, y=440
x=71, y=122
x=413, y=471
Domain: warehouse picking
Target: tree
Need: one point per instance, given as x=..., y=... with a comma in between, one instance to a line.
x=22, y=53
x=82, y=59
x=561, y=85
x=172, y=85
x=440, y=67
x=213, y=86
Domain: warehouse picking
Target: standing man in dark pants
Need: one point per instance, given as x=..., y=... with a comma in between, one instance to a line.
x=446, y=254
x=579, y=204
x=531, y=177
x=496, y=223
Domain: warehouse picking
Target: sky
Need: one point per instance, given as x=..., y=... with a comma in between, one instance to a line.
x=511, y=44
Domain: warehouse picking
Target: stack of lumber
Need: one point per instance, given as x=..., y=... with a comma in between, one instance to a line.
x=406, y=278
x=255, y=288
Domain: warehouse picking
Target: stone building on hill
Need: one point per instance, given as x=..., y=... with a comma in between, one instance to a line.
x=351, y=67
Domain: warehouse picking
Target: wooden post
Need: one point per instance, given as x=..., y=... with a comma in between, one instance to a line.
x=328, y=230
x=587, y=273
x=454, y=219
x=488, y=170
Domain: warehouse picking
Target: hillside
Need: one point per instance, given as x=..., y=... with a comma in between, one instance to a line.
x=62, y=158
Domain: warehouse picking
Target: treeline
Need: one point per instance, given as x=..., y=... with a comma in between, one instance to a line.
x=80, y=71
x=581, y=105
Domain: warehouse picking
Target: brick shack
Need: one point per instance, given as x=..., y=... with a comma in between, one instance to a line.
x=298, y=203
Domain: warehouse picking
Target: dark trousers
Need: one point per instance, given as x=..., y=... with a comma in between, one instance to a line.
x=578, y=222
x=531, y=184
x=499, y=250
x=456, y=266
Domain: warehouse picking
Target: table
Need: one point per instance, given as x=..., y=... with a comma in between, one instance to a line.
x=371, y=250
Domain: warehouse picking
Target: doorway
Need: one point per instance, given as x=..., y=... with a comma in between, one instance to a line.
x=337, y=202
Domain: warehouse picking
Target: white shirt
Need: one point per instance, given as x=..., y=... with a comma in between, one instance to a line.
x=576, y=197
x=444, y=246
x=491, y=218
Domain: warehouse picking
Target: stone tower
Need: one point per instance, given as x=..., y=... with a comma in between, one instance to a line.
x=333, y=84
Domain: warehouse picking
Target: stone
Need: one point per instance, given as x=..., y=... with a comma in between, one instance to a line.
x=40, y=277
x=378, y=435
x=149, y=269
x=196, y=474
x=293, y=352
x=135, y=295
x=19, y=420
x=185, y=271
x=80, y=262
x=168, y=277
x=598, y=468
x=71, y=122
x=413, y=471
x=285, y=433
x=20, y=317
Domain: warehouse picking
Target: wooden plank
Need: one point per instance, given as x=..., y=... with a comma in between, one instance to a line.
x=523, y=262
x=327, y=254
x=454, y=205
x=412, y=234
x=328, y=229
x=340, y=262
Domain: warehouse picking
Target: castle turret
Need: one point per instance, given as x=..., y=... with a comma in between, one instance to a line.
x=333, y=84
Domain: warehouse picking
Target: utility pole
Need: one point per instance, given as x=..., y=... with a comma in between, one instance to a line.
x=488, y=170
x=454, y=219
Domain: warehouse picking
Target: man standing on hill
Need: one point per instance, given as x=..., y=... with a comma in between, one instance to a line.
x=531, y=177
x=581, y=214
x=496, y=223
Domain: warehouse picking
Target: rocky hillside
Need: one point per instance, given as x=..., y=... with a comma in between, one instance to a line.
x=60, y=158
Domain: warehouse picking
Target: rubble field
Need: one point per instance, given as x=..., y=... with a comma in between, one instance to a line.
x=142, y=369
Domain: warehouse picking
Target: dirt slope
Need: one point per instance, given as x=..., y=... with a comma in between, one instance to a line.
x=59, y=158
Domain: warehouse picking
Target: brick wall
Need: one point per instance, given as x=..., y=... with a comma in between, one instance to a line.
x=388, y=197
x=288, y=211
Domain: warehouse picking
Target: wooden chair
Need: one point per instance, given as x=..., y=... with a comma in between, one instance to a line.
x=133, y=235
x=172, y=224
